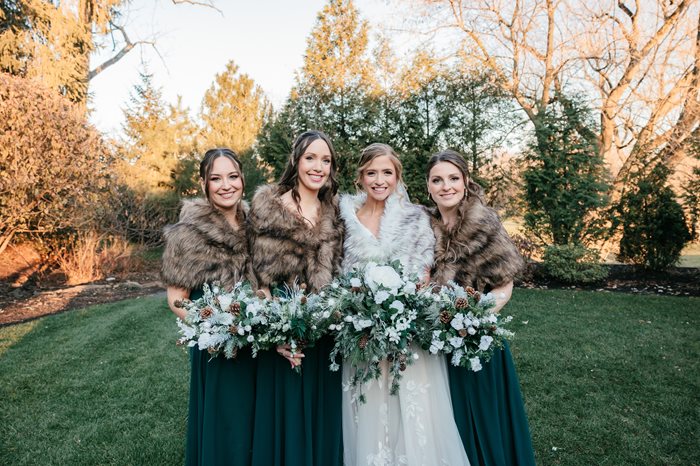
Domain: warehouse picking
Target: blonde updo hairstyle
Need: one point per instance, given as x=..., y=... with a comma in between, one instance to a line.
x=374, y=151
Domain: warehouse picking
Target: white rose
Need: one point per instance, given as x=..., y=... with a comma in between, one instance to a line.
x=485, y=342
x=384, y=276
x=471, y=331
x=250, y=339
x=355, y=282
x=475, y=364
x=398, y=305
x=456, y=342
x=436, y=346
x=381, y=296
x=458, y=322
x=410, y=288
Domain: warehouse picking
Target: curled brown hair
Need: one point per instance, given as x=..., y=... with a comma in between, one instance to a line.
x=290, y=178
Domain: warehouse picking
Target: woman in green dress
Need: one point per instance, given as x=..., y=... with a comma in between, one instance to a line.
x=296, y=238
x=473, y=249
x=208, y=244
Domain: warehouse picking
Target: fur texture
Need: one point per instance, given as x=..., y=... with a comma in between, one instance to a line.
x=477, y=251
x=202, y=248
x=404, y=234
x=285, y=249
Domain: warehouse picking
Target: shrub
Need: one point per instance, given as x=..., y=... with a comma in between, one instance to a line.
x=654, y=230
x=573, y=263
x=90, y=256
x=53, y=165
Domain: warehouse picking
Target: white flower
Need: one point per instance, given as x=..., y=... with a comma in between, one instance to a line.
x=491, y=318
x=355, y=282
x=360, y=324
x=348, y=319
x=326, y=314
x=241, y=330
x=485, y=342
x=250, y=339
x=331, y=302
x=436, y=345
x=457, y=357
x=458, y=322
x=471, y=331
x=381, y=296
x=248, y=328
x=204, y=340
x=334, y=367
x=384, y=276
x=475, y=364
x=398, y=305
x=456, y=342
x=410, y=288
x=331, y=327
x=392, y=334
x=225, y=301
x=334, y=285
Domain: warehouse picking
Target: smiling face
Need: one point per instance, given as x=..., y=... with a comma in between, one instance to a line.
x=379, y=178
x=315, y=165
x=224, y=186
x=446, y=185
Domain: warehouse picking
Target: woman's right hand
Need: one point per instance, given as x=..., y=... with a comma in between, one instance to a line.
x=286, y=352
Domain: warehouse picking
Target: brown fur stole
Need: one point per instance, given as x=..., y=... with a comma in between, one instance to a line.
x=286, y=249
x=477, y=251
x=203, y=247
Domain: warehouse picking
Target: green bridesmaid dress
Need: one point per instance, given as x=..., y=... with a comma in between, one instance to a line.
x=298, y=416
x=221, y=409
x=490, y=414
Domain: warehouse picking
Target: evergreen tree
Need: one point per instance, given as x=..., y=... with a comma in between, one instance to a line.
x=565, y=181
x=653, y=225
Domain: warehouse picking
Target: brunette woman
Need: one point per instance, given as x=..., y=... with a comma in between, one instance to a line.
x=473, y=249
x=296, y=238
x=208, y=245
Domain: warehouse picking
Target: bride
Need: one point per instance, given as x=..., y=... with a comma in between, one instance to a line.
x=415, y=427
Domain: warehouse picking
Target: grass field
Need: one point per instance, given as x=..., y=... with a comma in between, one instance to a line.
x=608, y=379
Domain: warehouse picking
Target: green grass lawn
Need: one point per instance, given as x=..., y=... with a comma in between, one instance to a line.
x=608, y=379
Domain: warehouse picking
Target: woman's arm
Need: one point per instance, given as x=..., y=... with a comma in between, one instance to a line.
x=175, y=294
x=502, y=295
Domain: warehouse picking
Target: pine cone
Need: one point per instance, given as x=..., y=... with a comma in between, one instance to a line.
x=302, y=300
x=461, y=303
x=205, y=313
x=477, y=295
x=233, y=330
x=470, y=291
x=364, y=339
x=355, y=289
x=402, y=358
x=235, y=308
x=402, y=366
x=217, y=302
x=493, y=328
x=463, y=333
x=234, y=353
x=302, y=286
x=445, y=317
x=260, y=294
x=390, y=357
x=437, y=289
x=179, y=303
x=211, y=350
x=337, y=315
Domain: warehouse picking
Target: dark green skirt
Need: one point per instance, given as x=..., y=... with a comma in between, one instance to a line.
x=221, y=411
x=298, y=416
x=490, y=413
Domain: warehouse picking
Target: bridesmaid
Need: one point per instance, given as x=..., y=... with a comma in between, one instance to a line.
x=209, y=244
x=473, y=249
x=295, y=236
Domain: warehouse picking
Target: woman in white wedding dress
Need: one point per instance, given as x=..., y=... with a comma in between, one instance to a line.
x=415, y=427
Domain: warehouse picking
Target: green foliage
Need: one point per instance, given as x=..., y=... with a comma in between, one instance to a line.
x=53, y=165
x=52, y=42
x=160, y=143
x=652, y=221
x=691, y=192
x=573, y=263
x=566, y=179
x=233, y=110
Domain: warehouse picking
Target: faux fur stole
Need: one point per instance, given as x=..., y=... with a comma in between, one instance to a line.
x=477, y=251
x=404, y=234
x=285, y=248
x=203, y=247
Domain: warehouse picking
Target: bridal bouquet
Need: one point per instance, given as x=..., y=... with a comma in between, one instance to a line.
x=379, y=305
x=296, y=319
x=462, y=323
x=223, y=321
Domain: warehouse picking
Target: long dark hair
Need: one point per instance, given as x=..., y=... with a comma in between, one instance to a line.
x=456, y=159
x=290, y=178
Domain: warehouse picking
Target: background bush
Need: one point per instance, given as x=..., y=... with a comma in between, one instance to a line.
x=573, y=263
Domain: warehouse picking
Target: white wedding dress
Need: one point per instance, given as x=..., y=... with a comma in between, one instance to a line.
x=415, y=427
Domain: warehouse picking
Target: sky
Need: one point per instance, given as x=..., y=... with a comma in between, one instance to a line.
x=266, y=39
